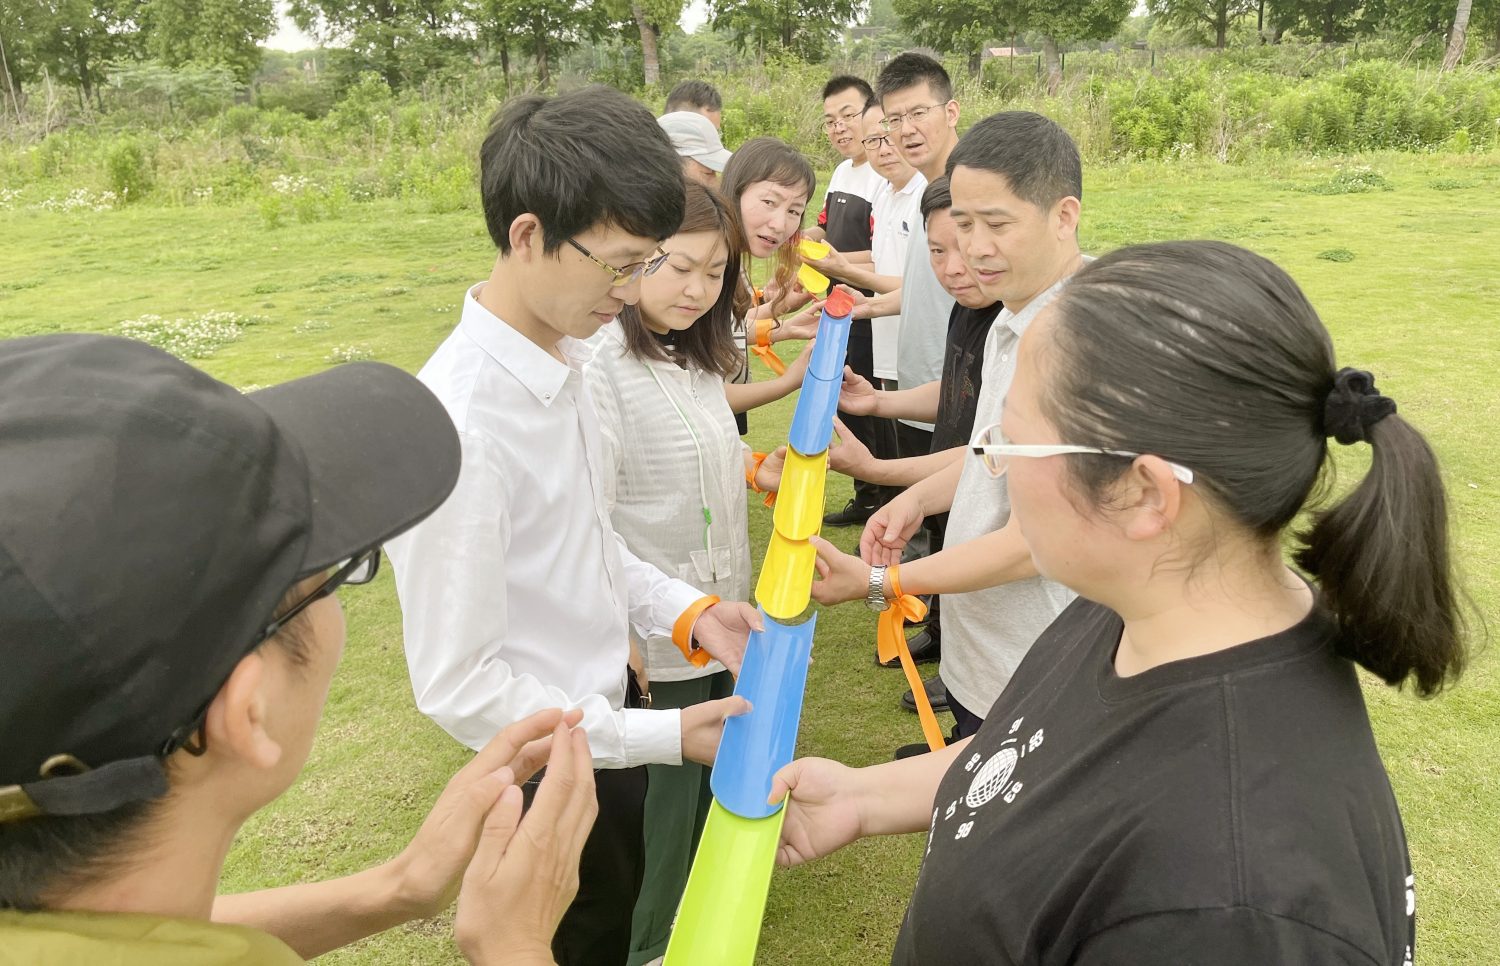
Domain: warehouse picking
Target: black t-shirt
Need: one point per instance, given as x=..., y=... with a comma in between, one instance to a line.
x=846, y=218
x=1224, y=810
x=963, y=374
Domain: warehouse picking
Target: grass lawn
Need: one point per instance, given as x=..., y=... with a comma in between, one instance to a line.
x=1407, y=278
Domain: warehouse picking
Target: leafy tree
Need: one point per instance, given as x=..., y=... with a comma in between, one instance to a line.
x=800, y=27
x=650, y=18
x=76, y=40
x=1061, y=21
x=1331, y=21
x=1422, y=19
x=16, y=64
x=546, y=29
x=402, y=40
x=956, y=25
x=1216, y=15
x=226, y=32
x=1458, y=36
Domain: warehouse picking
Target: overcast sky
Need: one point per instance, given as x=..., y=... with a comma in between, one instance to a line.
x=288, y=37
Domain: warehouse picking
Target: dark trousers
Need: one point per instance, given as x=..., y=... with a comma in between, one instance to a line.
x=878, y=434
x=965, y=722
x=595, y=931
x=918, y=442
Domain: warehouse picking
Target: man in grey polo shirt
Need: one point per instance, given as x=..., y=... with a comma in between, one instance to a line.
x=1016, y=179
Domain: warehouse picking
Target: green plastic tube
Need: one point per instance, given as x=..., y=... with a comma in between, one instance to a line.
x=718, y=923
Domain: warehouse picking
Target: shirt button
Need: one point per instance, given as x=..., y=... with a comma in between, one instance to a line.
x=546, y=396
x=1005, y=358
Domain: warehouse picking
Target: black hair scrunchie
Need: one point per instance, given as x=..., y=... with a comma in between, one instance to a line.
x=1353, y=406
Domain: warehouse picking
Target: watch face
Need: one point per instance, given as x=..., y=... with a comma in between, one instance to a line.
x=877, y=605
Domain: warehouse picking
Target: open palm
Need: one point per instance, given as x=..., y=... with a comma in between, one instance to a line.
x=822, y=813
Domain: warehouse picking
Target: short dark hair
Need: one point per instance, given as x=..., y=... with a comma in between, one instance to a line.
x=844, y=82
x=593, y=156
x=694, y=93
x=708, y=344
x=910, y=69
x=1211, y=356
x=935, y=197
x=1032, y=153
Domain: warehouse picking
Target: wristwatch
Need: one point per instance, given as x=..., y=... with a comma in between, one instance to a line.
x=875, y=599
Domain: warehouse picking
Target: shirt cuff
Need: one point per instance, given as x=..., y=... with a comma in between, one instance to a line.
x=676, y=598
x=653, y=737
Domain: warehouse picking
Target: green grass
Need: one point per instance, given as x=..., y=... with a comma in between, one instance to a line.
x=1413, y=301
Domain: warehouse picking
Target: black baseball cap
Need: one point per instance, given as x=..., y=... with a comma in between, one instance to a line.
x=151, y=520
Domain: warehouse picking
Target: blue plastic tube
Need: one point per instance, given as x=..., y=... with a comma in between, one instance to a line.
x=773, y=678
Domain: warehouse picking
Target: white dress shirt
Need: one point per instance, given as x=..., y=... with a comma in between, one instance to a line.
x=517, y=594
x=671, y=452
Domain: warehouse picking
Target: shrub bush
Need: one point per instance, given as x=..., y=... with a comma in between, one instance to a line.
x=130, y=167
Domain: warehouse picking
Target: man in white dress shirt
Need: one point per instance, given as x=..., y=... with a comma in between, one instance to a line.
x=517, y=594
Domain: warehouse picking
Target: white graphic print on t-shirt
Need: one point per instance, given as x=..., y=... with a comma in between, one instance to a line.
x=992, y=780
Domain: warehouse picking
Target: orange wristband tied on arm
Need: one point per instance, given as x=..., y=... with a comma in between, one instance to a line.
x=756, y=460
x=682, y=631
x=762, y=346
x=890, y=641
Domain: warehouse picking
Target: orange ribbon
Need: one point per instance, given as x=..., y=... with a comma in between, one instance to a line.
x=890, y=641
x=757, y=459
x=682, y=631
x=762, y=346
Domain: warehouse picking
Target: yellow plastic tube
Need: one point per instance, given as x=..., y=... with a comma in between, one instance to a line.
x=799, y=501
x=808, y=248
x=786, y=576
x=718, y=922
x=812, y=279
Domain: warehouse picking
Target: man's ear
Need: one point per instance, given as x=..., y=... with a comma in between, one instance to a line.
x=1151, y=499
x=951, y=109
x=236, y=721
x=526, y=237
x=1067, y=212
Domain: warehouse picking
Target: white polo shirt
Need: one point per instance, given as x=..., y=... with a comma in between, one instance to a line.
x=897, y=211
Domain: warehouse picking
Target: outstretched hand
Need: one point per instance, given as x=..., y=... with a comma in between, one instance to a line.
x=723, y=629
x=803, y=325
x=888, y=530
x=857, y=396
x=822, y=809
x=849, y=456
x=842, y=576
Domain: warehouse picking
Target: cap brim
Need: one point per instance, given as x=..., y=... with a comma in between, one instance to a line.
x=381, y=454
x=714, y=160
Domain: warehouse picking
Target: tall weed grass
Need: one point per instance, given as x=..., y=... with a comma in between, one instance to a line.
x=422, y=144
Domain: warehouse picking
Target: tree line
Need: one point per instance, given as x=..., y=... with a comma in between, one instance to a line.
x=76, y=43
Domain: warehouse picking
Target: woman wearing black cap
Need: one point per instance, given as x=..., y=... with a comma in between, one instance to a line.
x=169, y=551
x=1181, y=770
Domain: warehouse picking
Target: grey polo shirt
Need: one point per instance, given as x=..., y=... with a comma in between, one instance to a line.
x=925, y=308
x=987, y=632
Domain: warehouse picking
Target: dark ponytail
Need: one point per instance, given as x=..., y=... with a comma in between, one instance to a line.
x=1380, y=557
x=1210, y=356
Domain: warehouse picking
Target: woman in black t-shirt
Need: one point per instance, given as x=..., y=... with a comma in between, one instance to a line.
x=1182, y=769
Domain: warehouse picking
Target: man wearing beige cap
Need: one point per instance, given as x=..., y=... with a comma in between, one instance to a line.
x=696, y=141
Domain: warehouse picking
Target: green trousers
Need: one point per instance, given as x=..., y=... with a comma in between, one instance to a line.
x=677, y=799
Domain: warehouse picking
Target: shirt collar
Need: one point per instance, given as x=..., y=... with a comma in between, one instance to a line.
x=915, y=183
x=614, y=333
x=1019, y=321
x=538, y=370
